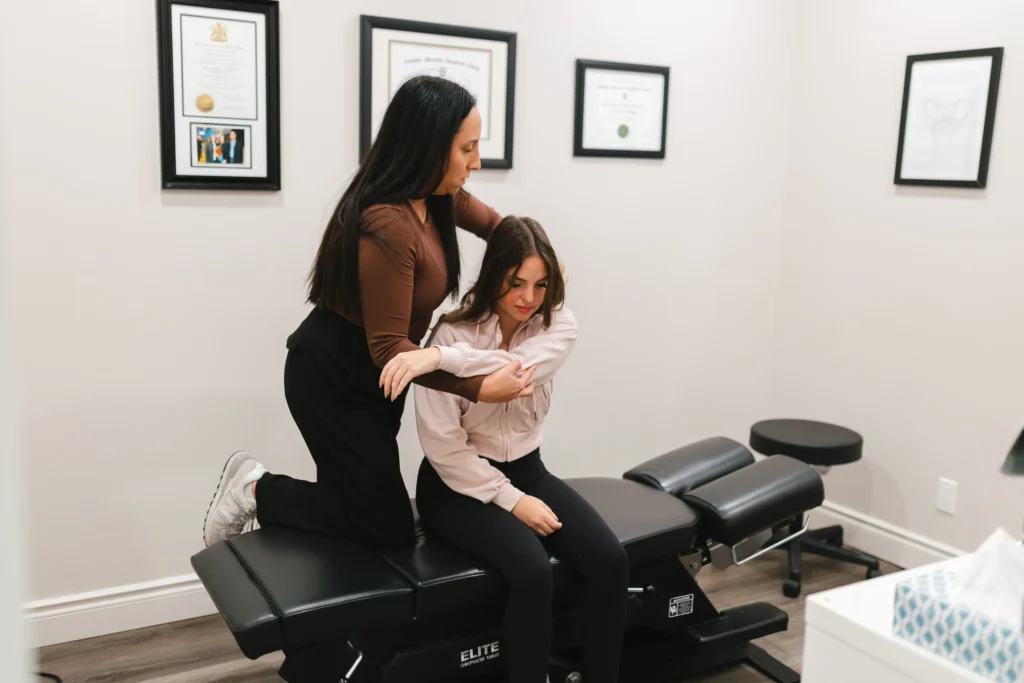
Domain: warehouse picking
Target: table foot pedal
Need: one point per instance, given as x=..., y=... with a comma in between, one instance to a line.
x=740, y=624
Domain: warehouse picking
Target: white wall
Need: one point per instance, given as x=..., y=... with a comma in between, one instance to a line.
x=900, y=309
x=14, y=664
x=151, y=325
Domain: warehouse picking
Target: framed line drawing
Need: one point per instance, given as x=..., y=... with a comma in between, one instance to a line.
x=482, y=60
x=948, y=116
x=621, y=110
x=219, y=94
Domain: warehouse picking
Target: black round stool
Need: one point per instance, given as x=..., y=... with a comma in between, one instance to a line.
x=821, y=445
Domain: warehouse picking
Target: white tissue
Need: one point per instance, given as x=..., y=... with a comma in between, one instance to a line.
x=991, y=579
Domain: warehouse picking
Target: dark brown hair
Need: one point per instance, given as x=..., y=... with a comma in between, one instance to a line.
x=513, y=240
x=408, y=160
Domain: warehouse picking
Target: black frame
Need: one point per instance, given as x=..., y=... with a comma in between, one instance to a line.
x=581, y=69
x=170, y=179
x=996, y=53
x=367, y=23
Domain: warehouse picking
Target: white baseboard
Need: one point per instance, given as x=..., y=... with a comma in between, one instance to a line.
x=901, y=547
x=113, y=610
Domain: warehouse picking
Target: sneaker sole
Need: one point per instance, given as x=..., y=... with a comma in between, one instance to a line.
x=225, y=476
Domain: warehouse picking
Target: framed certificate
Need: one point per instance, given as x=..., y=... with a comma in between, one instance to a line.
x=482, y=60
x=621, y=110
x=949, y=110
x=219, y=94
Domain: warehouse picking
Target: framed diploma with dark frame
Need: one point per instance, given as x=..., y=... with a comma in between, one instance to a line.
x=621, y=110
x=219, y=94
x=482, y=60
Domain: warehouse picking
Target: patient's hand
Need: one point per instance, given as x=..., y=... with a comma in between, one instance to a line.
x=534, y=513
x=405, y=367
x=502, y=386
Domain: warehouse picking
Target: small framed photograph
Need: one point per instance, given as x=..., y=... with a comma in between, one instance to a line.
x=219, y=94
x=621, y=110
x=482, y=60
x=949, y=109
x=221, y=146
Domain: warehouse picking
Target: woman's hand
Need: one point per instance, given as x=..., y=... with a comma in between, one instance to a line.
x=405, y=367
x=503, y=385
x=535, y=514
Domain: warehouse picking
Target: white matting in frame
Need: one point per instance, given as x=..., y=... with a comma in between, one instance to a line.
x=481, y=60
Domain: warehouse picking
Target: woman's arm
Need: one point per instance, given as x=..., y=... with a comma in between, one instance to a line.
x=446, y=445
x=502, y=384
x=474, y=216
x=547, y=351
x=386, y=285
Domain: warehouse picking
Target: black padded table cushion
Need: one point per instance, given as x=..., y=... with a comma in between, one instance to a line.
x=816, y=443
x=681, y=470
x=771, y=491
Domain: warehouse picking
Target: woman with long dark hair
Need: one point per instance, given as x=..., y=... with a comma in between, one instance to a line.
x=388, y=258
x=483, y=486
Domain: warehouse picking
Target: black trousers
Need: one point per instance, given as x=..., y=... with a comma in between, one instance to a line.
x=350, y=429
x=584, y=543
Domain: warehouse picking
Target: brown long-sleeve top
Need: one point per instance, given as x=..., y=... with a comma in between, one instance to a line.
x=398, y=296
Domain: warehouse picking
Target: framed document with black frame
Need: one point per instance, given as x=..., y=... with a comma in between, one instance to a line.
x=219, y=94
x=621, y=110
x=949, y=110
x=482, y=60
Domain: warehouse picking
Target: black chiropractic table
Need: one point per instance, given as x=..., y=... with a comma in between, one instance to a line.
x=430, y=613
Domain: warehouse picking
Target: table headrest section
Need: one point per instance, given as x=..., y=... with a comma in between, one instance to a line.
x=310, y=583
x=755, y=498
x=680, y=471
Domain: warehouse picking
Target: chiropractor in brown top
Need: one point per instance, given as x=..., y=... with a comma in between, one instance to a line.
x=388, y=259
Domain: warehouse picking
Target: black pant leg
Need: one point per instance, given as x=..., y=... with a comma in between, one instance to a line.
x=351, y=432
x=497, y=537
x=587, y=545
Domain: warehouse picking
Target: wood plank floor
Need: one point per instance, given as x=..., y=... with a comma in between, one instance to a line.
x=203, y=651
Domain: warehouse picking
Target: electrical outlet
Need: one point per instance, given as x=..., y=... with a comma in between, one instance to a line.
x=946, y=499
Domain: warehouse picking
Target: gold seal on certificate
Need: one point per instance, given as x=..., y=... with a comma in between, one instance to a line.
x=219, y=94
x=204, y=103
x=621, y=110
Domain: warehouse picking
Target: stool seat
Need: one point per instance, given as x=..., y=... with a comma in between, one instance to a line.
x=816, y=443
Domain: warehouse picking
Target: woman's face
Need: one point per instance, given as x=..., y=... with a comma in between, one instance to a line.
x=464, y=157
x=526, y=290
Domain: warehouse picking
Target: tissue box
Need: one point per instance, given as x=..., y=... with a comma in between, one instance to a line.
x=925, y=615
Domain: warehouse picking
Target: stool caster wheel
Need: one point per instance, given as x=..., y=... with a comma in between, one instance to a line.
x=791, y=588
x=874, y=573
x=574, y=677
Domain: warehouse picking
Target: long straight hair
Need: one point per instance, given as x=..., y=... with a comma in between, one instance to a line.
x=407, y=160
x=513, y=240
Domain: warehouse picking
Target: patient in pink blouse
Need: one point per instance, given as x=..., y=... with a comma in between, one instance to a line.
x=483, y=486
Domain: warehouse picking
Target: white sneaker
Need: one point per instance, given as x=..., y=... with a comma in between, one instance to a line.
x=233, y=505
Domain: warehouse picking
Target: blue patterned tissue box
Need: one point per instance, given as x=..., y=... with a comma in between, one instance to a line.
x=926, y=616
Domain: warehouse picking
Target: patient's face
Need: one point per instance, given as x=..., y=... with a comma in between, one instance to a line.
x=526, y=290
